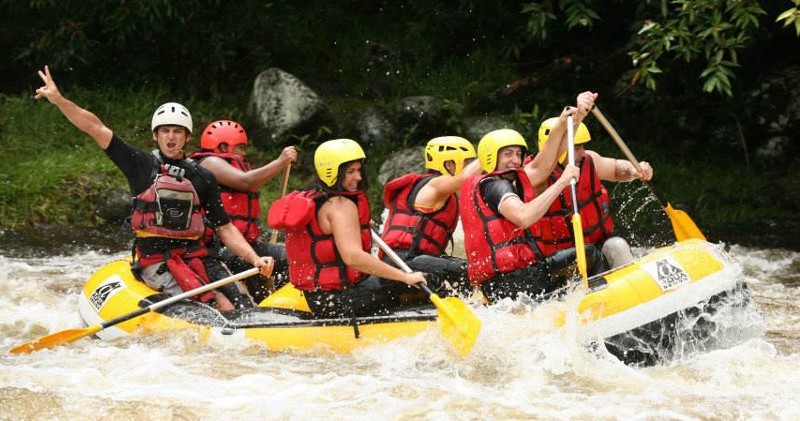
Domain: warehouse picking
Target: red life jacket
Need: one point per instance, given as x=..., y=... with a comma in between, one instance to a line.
x=314, y=261
x=241, y=206
x=593, y=205
x=169, y=208
x=412, y=230
x=185, y=266
x=493, y=244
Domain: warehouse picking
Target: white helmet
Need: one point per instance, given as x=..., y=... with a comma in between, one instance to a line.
x=172, y=113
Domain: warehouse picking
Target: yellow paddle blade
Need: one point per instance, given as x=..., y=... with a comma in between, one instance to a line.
x=458, y=323
x=580, y=248
x=55, y=339
x=682, y=224
x=287, y=297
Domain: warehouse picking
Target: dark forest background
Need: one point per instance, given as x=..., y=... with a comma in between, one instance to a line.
x=703, y=89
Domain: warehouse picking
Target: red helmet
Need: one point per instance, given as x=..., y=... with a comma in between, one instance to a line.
x=223, y=131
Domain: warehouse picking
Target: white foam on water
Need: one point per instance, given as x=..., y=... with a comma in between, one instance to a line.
x=517, y=370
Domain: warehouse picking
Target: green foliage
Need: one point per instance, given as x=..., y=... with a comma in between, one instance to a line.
x=517, y=60
x=52, y=172
x=307, y=143
x=791, y=17
x=540, y=19
x=212, y=49
x=545, y=14
x=186, y=44
x=688, y=30
x=710, y=33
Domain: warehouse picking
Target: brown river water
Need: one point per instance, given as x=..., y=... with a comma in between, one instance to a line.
x=513, y=371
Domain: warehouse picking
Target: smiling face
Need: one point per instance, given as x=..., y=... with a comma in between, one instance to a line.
x=171, y=140
x=508, y=158
x=351, y=176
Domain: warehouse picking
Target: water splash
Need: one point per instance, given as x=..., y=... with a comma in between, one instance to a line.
x=516, y=370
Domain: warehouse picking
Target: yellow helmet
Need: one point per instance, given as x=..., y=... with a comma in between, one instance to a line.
x=448, y=148
x=581, y=135
x=495, y=140
x=333, y=153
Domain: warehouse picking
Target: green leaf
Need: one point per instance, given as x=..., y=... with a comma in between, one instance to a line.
x=710, y=85
x=649, y=25
x=786, y=15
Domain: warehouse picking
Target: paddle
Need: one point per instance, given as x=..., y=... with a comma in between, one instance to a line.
x=577, y=223
x=458, y=323
x=682, y=224
x=273, y=238
x=71, y=335
x=284, y=183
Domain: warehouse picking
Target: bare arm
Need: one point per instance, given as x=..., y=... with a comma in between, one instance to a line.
x=347, y=236
x=544, y=162
x=233, y=239
x=440, y=188
x=232, y=177
x=525, y=214
x=619, y=170
x=79, y=117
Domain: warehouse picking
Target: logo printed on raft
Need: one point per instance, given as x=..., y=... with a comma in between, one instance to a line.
x=667, y=273
x=104, y=291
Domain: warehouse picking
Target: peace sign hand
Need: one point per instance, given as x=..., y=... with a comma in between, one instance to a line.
x=49, y=90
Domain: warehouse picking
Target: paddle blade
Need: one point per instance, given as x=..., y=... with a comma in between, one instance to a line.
x=55, y=339
x=682, y=224
x=580, y=248
x=458, y=323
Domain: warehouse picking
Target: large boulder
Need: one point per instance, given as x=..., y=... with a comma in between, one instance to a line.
x=421, y=117
x=374, y=128
x=475, y=127
x=282, y=108
x=777, y=104
x=402, y=162
x=114, y=206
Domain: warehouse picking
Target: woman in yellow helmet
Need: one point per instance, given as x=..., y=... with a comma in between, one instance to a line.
x=423, y=210
x=328, y=239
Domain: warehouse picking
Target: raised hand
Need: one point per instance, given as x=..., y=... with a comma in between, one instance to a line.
x=647, y=171
x=585, y=103
x=49, y=90
x=288, y=154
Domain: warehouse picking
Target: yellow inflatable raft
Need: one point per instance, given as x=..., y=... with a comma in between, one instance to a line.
x=640, y=309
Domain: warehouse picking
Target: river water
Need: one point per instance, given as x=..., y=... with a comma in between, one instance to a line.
x=513, y=372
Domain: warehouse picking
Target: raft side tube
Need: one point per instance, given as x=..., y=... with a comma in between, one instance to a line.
x=113, y=291
x=659, y=284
